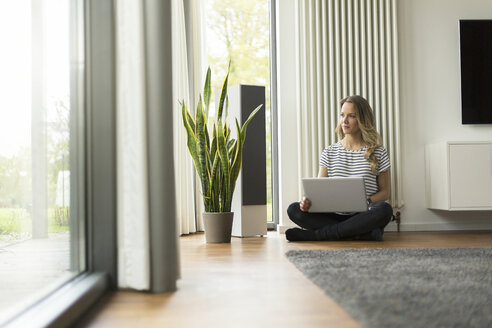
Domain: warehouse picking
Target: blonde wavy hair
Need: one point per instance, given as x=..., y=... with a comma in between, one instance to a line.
x=367, y=125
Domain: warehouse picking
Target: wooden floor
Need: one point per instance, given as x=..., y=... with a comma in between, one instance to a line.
x=250, y=283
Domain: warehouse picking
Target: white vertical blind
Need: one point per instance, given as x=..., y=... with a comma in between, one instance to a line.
x=347, y=47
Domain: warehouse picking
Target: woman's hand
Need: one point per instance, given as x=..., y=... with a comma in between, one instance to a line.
x=305, y=204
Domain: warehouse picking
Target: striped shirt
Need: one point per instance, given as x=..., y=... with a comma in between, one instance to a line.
x=342, y=162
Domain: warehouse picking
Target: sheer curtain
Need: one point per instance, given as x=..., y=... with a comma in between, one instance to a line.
x=147, y=243
x=185, y=211
x=187, y=74
x=133, y=227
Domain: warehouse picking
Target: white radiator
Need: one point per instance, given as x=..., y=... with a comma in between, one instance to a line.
x=347, y=47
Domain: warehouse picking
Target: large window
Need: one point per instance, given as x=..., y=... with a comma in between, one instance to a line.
x=238, y=32
x=41, y=240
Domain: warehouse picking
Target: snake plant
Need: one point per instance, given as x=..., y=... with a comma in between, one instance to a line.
x=217, y=157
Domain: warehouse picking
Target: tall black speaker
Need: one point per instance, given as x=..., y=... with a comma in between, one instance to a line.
x=249, y=200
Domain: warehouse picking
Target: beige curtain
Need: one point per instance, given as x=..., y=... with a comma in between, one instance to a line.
x=146, y=221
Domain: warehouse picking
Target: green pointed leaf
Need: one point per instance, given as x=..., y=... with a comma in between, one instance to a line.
x=213, y=146
x=214, y=173
x=190, y=120
x=202, y=147
x=223, y=94
x=230, y=144
x=191, y=141
x=245, y=125
x=224, y=161
x=227, y=132
x=207, y=91
x=227, y=106
x=207, y=137
x=236, y=157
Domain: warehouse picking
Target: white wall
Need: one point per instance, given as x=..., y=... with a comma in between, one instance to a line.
x=288, y=149
x=430, y=103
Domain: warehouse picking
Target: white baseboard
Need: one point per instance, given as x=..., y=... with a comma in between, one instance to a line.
x=424, y=227
x=281, y=228
x=440, y=226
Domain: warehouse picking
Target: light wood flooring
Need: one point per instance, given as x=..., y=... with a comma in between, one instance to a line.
x=250, y=283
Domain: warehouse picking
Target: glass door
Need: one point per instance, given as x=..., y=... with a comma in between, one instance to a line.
x=239, y=31
x=41, y=107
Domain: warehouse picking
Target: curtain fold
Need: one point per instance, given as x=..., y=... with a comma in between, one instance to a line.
x=197, y=40
x=159, y=104
x=146, y=222
x=346, y=47
x=133, y=216
x=188, y=73
x=183, y=165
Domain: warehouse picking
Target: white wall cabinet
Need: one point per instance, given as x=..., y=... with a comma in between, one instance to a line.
x=459, y=176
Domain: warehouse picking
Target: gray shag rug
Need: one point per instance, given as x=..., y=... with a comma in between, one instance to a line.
x=405, y=287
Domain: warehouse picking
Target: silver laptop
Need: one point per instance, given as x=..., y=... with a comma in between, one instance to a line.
x=336, y=194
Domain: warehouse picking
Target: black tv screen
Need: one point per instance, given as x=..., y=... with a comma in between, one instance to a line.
x=476, y=71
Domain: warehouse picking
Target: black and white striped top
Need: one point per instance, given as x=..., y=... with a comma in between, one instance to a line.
x=342, y=162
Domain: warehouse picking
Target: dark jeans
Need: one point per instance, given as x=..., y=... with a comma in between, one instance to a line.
x=332, y=226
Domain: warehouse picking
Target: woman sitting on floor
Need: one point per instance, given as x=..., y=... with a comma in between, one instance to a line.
x=358, y=153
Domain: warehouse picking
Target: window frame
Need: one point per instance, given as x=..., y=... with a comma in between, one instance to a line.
x=272, y=225
x=93, y=147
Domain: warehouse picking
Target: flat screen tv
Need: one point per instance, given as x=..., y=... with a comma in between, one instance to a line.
x=476, y=71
